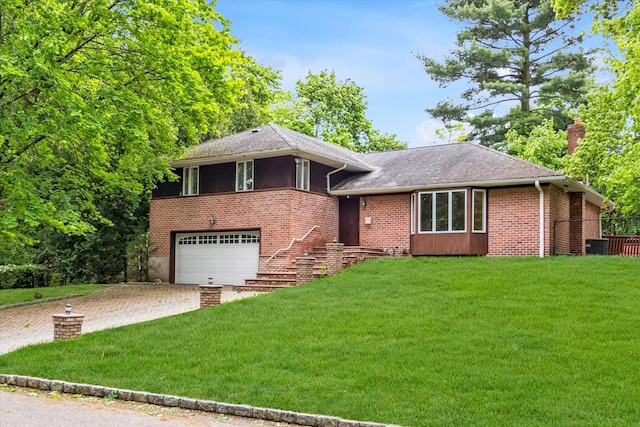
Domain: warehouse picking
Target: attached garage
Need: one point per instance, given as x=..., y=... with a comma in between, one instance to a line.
x=226, y=257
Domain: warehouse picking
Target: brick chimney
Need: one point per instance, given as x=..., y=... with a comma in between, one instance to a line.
x=575, y=133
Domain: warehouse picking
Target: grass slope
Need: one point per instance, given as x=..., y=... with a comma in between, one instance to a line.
x=418, y=341
x=15, y=296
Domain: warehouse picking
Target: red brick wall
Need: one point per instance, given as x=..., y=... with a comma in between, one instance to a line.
x=280, y=215
x=576, y=225
x=513, y=220
x=390, y=226
x=591, y=229
x=559, y=205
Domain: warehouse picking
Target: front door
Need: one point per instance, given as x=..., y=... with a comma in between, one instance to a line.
x=349, y=220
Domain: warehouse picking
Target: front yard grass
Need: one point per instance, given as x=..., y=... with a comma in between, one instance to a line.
x=416, y=341
x=15, y=296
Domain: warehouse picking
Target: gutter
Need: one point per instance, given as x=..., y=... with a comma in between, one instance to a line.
x=406, y=189
x=343, y=167
x=541, y=191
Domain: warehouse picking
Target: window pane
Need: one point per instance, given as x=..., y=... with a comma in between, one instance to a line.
x=194, y=180
x=426, y=212
x=240, y=176
x=458, y=210
x=249, y=176
x=298, y=174
x=442, y=211
x=478, y=210
x=305, y=174
x=185, y=181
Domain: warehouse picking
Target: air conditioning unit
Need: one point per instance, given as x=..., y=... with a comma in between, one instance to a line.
x=597, y=247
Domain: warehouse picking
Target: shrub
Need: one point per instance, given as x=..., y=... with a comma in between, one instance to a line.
x=23, y=276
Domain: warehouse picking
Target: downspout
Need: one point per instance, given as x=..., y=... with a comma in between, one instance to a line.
x=541, y=191
x=343, y=167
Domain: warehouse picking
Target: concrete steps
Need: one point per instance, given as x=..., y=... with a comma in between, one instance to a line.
x=267, y=281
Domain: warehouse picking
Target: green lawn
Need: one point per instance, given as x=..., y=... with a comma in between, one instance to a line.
x=15, y=296
x=417, y=341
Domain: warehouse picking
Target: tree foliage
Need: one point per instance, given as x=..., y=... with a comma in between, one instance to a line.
x=332, y=110
x=93, y=95
x=609, y=156
x=544, y=146
x=260, y=91
x=511, y=51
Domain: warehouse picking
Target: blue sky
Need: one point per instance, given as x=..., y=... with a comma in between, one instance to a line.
x=371, y=42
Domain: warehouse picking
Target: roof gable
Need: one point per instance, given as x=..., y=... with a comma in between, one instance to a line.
x=269, y=141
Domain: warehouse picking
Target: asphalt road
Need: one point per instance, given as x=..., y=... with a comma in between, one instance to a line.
x=21, y=407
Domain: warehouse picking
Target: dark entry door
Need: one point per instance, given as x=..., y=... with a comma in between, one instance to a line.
x=349, y=221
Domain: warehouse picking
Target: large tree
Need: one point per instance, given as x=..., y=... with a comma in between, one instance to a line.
x=94, y=93
x=511, y=52
x=261, y=90
x=333, y=110
x=609, y=156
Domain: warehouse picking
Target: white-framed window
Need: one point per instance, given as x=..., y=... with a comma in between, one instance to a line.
x=479, y=211
x=443, y=212
x=190, y=181
x=244, y=175
x=413, y=214
x=302, y=174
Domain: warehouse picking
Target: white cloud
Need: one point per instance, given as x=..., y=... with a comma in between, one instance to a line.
x=425, y=132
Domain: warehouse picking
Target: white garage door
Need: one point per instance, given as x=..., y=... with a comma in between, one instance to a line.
x=228, y=257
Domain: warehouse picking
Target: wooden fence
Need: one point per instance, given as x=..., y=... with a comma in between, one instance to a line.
x=624, y=245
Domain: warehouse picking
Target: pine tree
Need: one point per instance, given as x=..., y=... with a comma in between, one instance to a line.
x=511, y=51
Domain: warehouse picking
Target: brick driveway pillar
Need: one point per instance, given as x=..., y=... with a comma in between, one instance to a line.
x=210, y=295
x=66, y=326
x=304, y=270
x=334, y=257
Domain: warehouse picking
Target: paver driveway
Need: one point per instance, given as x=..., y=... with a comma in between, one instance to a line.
x=113, y=306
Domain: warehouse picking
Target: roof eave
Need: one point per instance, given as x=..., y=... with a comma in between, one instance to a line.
x=591, y=195
x=486, y=184
x=328, y=160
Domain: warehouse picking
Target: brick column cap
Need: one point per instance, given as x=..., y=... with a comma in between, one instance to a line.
x=305, y=260
x=211, y=286
x=68, y=316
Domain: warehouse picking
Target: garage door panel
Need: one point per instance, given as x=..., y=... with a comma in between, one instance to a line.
x=227, y=257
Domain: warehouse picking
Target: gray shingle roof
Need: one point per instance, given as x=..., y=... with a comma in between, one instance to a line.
x=272, y=140
x=442, y=165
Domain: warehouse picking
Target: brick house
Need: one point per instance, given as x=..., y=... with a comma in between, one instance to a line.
x=254, y=201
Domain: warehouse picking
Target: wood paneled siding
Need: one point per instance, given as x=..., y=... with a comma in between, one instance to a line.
x=276, y=172
x=217, y=178
x=318, y=178
x=271, y=173
x=168, y=189
x=460, y=243
x=449, y=244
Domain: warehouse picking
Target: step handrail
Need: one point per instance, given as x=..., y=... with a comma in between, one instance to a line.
x=295, y=239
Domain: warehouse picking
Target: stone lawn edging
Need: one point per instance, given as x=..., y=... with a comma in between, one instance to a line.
x=247, y=411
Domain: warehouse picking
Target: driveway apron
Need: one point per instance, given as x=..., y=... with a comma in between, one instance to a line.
x=116, y=305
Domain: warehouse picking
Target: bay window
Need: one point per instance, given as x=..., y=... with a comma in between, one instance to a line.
x=479, y=211
x=443, y=211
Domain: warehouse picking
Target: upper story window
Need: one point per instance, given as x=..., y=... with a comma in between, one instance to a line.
x=302, y=174
x=244, y=175
x=443, y=211
x=190, y=181
x=479, y=211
